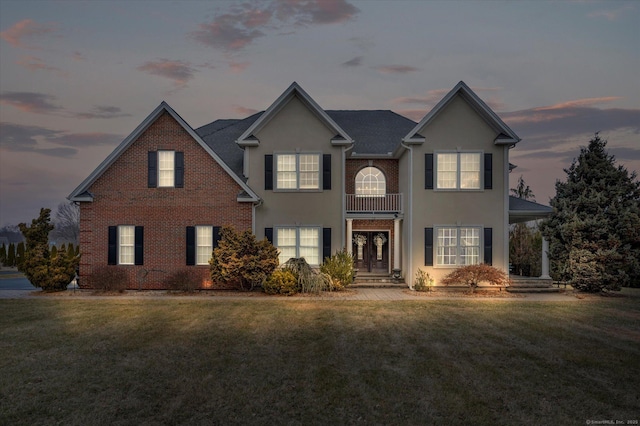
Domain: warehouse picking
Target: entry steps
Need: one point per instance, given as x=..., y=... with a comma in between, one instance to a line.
x=377, y=281
x=531, y=285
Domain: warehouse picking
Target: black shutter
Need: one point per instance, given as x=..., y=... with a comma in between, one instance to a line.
x=488, y=171
x=268, y=234
x=113, y=246
x=191, y=245
x=139, y=246
x=268, y=172
x=152, y=161
x=428, y=171
x=428, y=246
x=488, y=246
x=216, y=236
x=179, y=169
x=326, y=171
x=326, y=243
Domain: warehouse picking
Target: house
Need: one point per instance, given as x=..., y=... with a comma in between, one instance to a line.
x=400, y=195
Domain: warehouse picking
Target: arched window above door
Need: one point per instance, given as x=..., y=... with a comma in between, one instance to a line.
x=370, y=182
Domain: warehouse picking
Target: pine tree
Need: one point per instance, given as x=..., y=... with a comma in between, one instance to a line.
x=11, y=256
x=54, y=251
x=3, y=255
x=19, y=253
x=594, y=231
x=42, y=269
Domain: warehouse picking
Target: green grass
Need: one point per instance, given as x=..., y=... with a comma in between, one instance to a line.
x=172, y=361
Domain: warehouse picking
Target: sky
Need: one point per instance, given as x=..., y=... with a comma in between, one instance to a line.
x=77, y=77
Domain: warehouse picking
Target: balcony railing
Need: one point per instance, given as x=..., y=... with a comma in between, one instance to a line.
x=388, y=203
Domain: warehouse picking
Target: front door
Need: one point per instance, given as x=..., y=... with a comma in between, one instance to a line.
x=371, y=251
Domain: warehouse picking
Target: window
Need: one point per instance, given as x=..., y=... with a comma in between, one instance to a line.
x=166, y=174
x=370, y=182
x=126, y=248
x=458, y=246
x=298, y=171
x=204, y=244
x=458, y=170
x=298, y=242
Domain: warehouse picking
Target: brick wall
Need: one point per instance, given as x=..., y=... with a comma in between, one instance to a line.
x=388, y=167
x=121, y=197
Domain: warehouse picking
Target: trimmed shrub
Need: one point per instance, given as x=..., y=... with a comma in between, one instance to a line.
x=281, y=282
x=186, y=280
x=309, y=281
x=108, y=278
x=473, y=275
x=340, y=268
x=423, y=281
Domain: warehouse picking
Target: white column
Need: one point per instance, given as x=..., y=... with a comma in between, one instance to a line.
x=545, y=259
x=349, y=236
x=396, y=244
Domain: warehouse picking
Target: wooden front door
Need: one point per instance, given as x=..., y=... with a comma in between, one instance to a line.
x=371, y=251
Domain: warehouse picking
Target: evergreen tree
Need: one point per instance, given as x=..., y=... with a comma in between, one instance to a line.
x=11, y=256
x=54, y=251
x=3, y=255
x=19, y=253
x=70, y=250
x=42, y=269
x=594, y=231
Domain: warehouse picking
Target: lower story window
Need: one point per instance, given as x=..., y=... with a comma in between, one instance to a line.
x=298, y=242
x=458, y=246
x=204, y=244
x=126, y=245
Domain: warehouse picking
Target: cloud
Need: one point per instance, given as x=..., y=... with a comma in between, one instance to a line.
x=238, y=66
x=610, y=14
x=36, y=64
x=102, y=112
x=395, y=69
x=77, y=56
x=36, y=139
x=239, y=26
x=244, y=110
x=38, y=103
x=179, y=72
x=24, y=30
x=355, y=62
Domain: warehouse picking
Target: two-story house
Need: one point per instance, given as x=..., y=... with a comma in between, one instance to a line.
x=400, y=195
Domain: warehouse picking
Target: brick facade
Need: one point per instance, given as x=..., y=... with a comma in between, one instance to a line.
x=388, y=167
x=121, y=197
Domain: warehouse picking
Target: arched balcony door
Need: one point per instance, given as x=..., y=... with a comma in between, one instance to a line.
x=370, y=182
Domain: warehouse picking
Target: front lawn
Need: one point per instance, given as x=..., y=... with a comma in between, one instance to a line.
x=209, y=361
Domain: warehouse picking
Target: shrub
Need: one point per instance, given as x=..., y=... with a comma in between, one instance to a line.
x=340, y=268
x=423, y=281
x=108, y=278
x=186, y=280
x=241, y=260
x=309, y=281
x=472, y=275
x=281, y=281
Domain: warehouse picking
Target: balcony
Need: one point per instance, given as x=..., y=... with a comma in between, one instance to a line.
x=388, y=203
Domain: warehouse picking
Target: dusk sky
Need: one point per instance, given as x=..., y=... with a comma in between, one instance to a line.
x=76, y=77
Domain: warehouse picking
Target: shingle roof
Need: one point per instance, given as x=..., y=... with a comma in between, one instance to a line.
x=518, y=204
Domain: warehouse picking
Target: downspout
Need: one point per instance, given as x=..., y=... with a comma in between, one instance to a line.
x=254, y=206
x=409, y=234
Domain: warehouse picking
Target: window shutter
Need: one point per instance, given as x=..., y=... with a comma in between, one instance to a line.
x=428, y=171
x=488, y=246
x=488, y=171
x=428, y=246
x=179, y=169
x=191, y=245
x=113, y=246
x=326, y=171
x=326, y=243
x=139, y=246
x=268, y=172
x=216, y=236
x=152, y=160
x=268, y=234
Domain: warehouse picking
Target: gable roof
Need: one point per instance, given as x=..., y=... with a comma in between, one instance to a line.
x=523, y=211
x=81, y=193
x=248, y=137
x=505, y=134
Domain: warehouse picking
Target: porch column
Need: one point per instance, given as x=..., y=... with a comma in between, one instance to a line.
x=349, y=236
x=396, y=244
x=545, y=259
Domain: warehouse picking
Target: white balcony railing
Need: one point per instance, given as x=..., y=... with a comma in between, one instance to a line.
x=389, y=203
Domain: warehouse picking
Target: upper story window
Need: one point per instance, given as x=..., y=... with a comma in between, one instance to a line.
x=166, y=167
x=297, y=171
x=458, y=170
x=370, y=182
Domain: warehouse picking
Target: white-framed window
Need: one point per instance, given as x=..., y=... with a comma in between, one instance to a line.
x=204, y=244
x=298, y=242
x=458, y=245
x=166, y=168
x=458, y=170
x=370, y=182
x=297, y=171
x=126, y=245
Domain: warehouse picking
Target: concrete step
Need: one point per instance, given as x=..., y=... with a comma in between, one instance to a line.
x=366, y=284
x=519, y=282
x=533, y=290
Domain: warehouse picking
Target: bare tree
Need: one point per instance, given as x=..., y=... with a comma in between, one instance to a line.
x=67, y=223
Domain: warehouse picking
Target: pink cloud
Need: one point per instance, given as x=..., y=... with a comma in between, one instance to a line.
x=178, y=71
x=238, y=66
x=36, y=64
x=396, y=69
x=26, y=29
x=586, y=102
x=38, y=103
x=610, y=14
x=244, y=110
x=232, y=31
